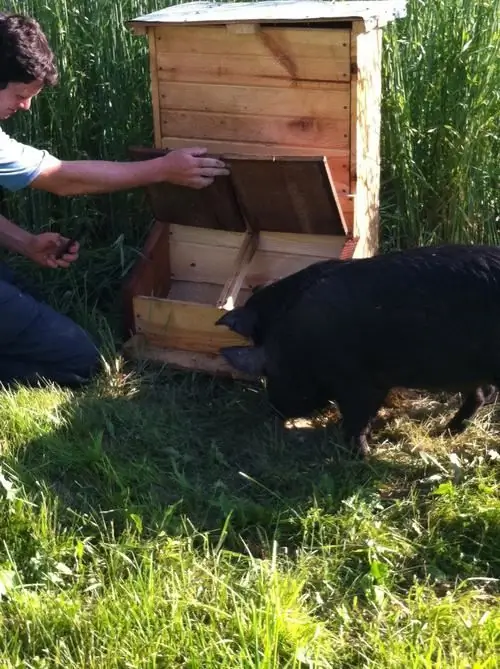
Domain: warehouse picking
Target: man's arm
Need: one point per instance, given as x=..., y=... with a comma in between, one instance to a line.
x=185, y=167
x=13, y=238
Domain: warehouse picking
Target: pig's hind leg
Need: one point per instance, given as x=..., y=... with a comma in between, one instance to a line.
x=471, y=405
x=359, y=406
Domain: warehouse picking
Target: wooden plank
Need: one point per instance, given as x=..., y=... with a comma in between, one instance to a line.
x=150, y=275
x=248, y=70
x=138, y=348
x=290, y=43
x=289, y=130
x=365, y=134
x=301, y=103
x=183, y=325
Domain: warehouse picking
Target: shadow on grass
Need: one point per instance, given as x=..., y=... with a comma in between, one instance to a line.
x=165, y=446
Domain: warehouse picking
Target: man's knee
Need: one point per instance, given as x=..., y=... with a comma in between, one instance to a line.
x=44, y=342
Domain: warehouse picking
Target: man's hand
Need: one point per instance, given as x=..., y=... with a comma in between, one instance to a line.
x=45, y=247
x=190, y=167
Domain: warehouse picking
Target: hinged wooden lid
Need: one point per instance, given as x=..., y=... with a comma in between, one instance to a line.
x=272, y=194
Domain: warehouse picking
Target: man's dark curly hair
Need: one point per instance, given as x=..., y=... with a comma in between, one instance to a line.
x=25, y=55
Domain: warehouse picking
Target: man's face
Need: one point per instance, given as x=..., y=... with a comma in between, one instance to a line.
x=17, y=96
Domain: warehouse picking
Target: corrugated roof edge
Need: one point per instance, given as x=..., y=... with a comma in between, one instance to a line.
x=374, y=13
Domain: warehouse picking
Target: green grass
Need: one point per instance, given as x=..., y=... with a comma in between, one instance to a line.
x=139, y=531
x=160, y=519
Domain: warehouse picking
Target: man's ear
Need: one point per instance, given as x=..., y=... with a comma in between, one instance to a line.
x=240, y=320
x=247, y=359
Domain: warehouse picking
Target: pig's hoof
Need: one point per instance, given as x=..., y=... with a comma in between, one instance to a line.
x=454, y=427
x=359, y=448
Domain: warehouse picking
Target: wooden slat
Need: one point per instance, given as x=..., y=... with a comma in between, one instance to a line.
x=262, y=70
x=290, y=130
x=228, y=298
x=183, y=325
x=300, y=103
x=138, y=348
x=285, y=44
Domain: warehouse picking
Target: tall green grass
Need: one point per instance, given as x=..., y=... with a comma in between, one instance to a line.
x=441, y=124
x=440, y=134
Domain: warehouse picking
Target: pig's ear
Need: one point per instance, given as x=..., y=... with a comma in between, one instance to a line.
x=240, y=320
x=247, y=359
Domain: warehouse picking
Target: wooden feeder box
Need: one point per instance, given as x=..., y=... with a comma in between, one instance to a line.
x=288, y=94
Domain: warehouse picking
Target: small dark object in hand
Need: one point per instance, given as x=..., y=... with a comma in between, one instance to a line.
x=65, y=248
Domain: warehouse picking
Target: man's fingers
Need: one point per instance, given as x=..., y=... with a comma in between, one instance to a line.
x=202, y=182
x=210, y=162
x=213, y=172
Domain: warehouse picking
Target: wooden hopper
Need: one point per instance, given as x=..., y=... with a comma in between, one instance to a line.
x=288, y=94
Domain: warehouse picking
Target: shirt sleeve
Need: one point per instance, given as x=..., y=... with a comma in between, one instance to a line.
x=19, y=163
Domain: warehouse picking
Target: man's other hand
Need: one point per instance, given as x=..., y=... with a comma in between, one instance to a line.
x=45, y=248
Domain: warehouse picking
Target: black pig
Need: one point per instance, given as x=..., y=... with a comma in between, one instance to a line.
x=426, y=318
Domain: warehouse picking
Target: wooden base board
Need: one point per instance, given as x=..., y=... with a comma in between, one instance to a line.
x=137, y=348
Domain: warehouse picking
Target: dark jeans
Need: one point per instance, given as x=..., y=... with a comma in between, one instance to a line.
x=38, y=343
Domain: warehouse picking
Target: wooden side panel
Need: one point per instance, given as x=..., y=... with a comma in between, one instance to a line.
x=210, y=53
x=365, y=137
x=151, y=274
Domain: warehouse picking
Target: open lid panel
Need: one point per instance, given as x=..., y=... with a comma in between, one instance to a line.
x=268, y=194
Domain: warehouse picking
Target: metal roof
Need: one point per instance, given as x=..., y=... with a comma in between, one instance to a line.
x=374, y=13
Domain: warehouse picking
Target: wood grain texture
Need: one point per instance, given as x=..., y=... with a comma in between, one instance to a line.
x=267, y=53
x=299, y=103
x=183, y=325
x=311, y=131
x=365, y=138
